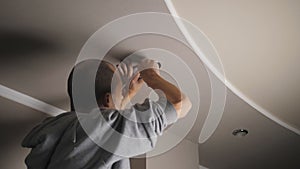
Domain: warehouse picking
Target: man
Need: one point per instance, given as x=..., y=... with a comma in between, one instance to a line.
x=116, y=133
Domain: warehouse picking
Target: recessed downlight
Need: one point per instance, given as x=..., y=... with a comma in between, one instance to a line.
x=240, y=132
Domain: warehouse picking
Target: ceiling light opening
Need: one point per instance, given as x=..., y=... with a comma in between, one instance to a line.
x=240, y=132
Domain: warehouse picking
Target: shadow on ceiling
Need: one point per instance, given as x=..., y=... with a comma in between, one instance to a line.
x=14, y=43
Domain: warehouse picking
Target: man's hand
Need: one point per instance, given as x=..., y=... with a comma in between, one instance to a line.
x=131, y=83
x=135, y=85
x=149, y=65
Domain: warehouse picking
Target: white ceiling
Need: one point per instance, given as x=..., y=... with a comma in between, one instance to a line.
x=267, y=145
x=40, y=41
x=258, y=44
x=39, y=44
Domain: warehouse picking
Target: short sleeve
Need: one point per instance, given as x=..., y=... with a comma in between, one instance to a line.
x=162, y=110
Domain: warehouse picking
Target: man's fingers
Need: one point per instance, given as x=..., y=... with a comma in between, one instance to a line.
x=124, y=67
x=136, y=77
x=120, y=70
x=130, y=70
x=139, y=79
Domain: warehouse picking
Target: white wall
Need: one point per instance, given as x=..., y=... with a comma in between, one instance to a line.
x=183, y=156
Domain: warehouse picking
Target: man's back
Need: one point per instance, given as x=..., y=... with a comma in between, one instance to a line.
x=62, y=142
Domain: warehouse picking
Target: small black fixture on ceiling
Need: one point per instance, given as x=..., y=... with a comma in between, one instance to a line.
x=240, y=132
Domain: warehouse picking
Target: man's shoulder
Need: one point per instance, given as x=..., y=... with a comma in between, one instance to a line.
x=64, y=115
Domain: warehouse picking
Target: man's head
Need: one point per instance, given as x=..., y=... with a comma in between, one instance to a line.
x=102, y=81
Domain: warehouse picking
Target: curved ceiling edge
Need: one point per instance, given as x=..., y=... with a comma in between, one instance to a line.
x=228, y=84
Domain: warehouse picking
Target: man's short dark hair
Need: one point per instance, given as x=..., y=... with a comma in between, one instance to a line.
x=103, y=78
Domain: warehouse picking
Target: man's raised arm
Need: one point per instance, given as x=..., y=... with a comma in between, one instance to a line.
x=153, y=79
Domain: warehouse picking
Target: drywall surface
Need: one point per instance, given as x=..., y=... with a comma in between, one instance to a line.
x=184, y=155
x=258, y=44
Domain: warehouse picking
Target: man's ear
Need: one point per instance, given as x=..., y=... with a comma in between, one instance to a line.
x=107, y=102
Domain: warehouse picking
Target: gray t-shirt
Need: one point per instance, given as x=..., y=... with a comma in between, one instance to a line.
x=103, y=140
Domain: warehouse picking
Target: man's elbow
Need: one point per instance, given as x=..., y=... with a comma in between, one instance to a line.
x=183, y=107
